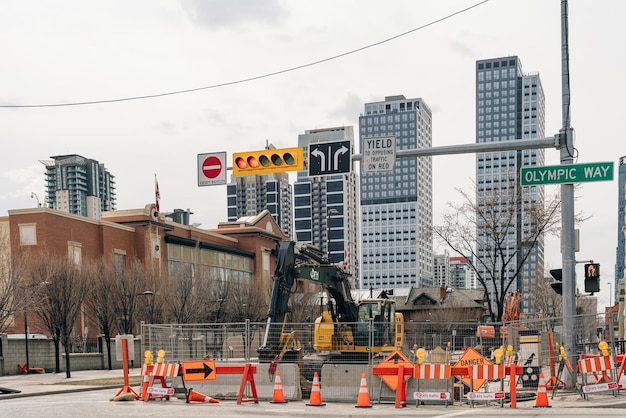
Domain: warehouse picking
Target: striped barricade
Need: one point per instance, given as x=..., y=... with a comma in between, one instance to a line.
x=487, y=372
x=150, y=372
x=594, y=365
x=432, y=372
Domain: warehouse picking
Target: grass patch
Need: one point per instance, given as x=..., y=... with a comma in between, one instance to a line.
x=110, y=381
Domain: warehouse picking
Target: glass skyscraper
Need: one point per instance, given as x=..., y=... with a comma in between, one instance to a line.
x=509, y=105
x=396, y=206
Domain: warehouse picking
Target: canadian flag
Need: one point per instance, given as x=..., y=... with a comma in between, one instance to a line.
x=157, y=195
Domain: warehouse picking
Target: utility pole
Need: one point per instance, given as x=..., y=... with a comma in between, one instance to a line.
x=567, y=204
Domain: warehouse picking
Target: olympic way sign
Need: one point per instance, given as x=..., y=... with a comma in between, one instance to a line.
x=567, y=173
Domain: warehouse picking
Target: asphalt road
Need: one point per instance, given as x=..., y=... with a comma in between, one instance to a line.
x=97, y=404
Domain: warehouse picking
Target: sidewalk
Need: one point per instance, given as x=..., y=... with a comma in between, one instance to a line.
x=87, y=380
x=50, y=383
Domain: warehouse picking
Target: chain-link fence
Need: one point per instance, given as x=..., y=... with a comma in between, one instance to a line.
x=241, y=340
x=535, y=343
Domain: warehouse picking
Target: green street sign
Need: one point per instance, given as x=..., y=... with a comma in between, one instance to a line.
x=570, y=173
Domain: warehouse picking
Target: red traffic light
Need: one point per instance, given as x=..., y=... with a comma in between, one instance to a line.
x=268, y=161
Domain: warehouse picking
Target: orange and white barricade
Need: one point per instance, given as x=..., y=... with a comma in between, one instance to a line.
x=158, y=372
x=487, y=372
x=594, y=365
x=429, y=371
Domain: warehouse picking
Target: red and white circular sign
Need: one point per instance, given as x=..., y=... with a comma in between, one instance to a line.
x=211, y=167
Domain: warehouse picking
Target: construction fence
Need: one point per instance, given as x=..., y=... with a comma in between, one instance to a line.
x=534, y=342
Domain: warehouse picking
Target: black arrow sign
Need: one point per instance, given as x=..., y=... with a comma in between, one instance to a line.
x=206, y=369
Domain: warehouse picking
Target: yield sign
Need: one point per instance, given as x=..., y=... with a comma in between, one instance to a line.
x=212, y=169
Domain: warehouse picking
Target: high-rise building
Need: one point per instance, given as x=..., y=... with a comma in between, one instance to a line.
x=79, y=185
x=396, y=206
x=251, y=195
x=325, y=207
x=621, y=223
x=462, y=276
x=441, y=270
x=509, y=105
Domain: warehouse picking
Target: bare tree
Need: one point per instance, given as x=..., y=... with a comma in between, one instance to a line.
x=246, y=302
x=490, y=225
x=12, y=274
x=62, y=296
x=130, y=284
x=188, y=296
x=101, y=277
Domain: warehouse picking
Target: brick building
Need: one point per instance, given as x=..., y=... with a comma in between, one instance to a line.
x=239, y=250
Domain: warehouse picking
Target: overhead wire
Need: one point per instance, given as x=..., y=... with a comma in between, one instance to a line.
x=249, y=79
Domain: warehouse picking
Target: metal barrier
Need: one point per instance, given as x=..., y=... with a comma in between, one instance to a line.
x=532, y=343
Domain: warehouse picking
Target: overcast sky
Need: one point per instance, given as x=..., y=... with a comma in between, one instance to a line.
x=76, y=51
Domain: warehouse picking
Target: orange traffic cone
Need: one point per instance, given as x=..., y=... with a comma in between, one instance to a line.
x=542, y=395
x=279, y=397
x=364, y=395
x=194, y=396
x=316, y=393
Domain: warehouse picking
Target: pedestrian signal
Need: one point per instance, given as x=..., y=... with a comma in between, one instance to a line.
x=592, y=278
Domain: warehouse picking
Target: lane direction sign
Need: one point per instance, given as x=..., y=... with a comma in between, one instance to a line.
x=329, y=158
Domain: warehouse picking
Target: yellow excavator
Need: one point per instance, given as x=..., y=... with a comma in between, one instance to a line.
x=347, y=330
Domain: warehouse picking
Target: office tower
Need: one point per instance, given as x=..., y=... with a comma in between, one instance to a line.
x=462, y=276
x=621, y=222
x=325, y=207
x=396, y=206
x=441, y=276
x=509, y=105
x=250, y=195
x=79, y=185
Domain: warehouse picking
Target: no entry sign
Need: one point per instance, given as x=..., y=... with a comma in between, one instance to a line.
x=212, y=169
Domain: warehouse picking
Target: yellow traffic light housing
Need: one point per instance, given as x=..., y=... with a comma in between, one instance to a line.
x=268, y=161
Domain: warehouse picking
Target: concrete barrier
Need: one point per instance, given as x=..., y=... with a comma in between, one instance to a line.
x=226, y=386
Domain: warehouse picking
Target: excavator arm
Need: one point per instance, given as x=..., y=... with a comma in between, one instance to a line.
x=291, y=266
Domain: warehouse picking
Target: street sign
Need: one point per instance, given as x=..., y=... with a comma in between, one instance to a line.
x=199, y=370
x=379, y=154
x=600, y=387
x=567, y=173
x=472, y=357
x=155, y=390
x=486, y=396
x=329, y=158
x=439, y=396
x=212, y=169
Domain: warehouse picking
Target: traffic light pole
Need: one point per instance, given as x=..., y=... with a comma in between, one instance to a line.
x=567, y=206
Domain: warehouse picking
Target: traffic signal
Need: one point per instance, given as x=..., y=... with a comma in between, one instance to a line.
x=268, y=161
x=592, y=278
x=558, y=276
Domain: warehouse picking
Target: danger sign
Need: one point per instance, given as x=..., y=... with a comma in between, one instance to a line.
x=212, y=169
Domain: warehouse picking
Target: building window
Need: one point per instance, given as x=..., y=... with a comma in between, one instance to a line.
x=74, y=251
x=28, y=234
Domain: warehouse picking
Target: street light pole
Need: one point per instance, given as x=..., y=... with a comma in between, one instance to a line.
x=610, y=294
x=26, y=336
